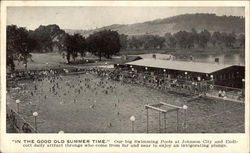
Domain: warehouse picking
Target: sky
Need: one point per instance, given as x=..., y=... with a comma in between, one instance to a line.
x=91, y=17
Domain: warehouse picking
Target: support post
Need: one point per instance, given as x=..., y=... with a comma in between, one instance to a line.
x=147, y=120
x=35, y=114
x=165, y=123
x=159, y=122
x=17, y=107
x=35, y=124
x=177, y=120
x=133, y=128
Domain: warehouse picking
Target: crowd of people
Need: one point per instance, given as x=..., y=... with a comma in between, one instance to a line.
x=143, y=79
x=49, y=84
x=158, y=82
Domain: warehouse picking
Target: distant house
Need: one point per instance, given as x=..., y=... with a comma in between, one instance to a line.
x=226, y=75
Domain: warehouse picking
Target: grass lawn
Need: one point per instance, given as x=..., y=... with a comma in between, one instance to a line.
x=44, y=61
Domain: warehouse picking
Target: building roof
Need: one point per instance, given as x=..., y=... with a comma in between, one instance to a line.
x=157, y=56
x=128, y=59
x=180, y=65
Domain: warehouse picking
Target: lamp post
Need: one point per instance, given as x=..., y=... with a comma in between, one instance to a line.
x=186, y=77
x=199, y=78
x=199, y=83
x=17, y=103
x=132, y=119
x=212, y=78
x=185, y=107
x=35, y=114
x=60, y=132
x=118, y=65
x=131, y=68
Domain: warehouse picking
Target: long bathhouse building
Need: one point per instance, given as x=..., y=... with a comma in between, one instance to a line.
x=220, y=74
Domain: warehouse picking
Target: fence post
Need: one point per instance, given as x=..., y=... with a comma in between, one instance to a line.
x=147, y=119
x=159, y=122
x=165, y=123
x=177, y=120
x=35, y=114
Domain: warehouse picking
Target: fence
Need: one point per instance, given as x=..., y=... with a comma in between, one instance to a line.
x=228, y=93
x=15, y=121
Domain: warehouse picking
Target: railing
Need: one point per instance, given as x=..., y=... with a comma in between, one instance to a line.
x=15, y=121
x=228, y=93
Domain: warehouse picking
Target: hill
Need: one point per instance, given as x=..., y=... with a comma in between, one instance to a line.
x=211, y=22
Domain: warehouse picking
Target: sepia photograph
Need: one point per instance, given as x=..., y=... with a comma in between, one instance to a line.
x=125, y=69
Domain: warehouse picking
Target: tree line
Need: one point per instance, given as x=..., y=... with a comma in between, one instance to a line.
x=184, y=39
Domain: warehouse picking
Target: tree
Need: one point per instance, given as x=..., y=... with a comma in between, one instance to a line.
x=104, y=43
x=19, y=45
x=158, y=42
x=193, y=37
x=48, y=37
x=135, y=42
x=216, y=38
x=228, y=39
x=123, y=41
x=231, y=38
x=241, y=40
x=112, y=42
x=184, y=39
x=170, y=40
x=203, y=38
x=147, y=42
x=74, y=44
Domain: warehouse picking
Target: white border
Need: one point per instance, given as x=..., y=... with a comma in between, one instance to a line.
x=5, y=139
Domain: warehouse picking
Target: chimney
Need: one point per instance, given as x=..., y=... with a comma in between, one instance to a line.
x=217, y=60
x=191, y=58
x=154, y=56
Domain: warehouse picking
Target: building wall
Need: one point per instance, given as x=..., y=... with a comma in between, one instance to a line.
x=231, y=77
